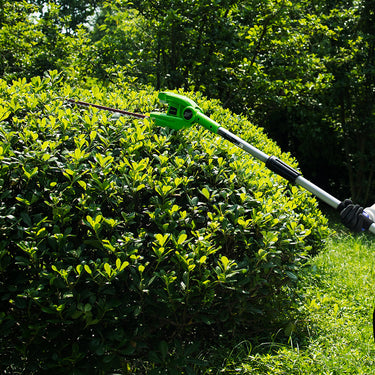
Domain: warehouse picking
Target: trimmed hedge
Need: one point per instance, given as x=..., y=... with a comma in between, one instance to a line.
x=124, y=243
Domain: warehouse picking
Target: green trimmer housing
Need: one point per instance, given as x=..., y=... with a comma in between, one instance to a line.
x=182, y=113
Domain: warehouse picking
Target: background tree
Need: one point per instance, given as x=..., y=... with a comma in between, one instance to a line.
x=347, y=104
x=73, y=13
x=302, y=70
x=31, y=45
x=190, y=44
x=17, y=36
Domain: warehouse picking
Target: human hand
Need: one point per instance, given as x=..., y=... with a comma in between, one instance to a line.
x=352, y=216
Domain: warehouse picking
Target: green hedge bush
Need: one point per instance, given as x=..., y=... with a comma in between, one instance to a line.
x=124, y=243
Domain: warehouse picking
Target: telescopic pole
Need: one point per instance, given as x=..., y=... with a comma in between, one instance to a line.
x=282, y=169
x=183, y=113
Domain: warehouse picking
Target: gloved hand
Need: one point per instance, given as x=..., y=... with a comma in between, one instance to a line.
x=351, y=216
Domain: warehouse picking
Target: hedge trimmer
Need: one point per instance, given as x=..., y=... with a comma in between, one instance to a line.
x=183, y=112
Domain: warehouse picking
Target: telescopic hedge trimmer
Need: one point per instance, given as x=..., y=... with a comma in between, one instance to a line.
x=183, y=112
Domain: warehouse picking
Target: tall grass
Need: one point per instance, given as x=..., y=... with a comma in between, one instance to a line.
x=332, y=332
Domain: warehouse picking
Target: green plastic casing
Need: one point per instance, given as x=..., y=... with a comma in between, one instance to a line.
x=182, y=113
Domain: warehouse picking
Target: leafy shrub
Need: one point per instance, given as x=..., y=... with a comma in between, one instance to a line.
x=120, y=240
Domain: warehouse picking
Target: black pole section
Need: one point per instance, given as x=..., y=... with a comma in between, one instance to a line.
x=284, y=170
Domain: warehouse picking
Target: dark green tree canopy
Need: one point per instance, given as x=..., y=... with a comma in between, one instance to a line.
x=72, y=12
x=303, y=70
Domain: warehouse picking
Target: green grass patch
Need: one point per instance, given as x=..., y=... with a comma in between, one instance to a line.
x=332, y=332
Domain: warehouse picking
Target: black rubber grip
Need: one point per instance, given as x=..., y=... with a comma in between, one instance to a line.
x=284, y=170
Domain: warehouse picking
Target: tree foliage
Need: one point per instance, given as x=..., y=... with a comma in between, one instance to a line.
x=303, y=70
x=31, y=45
x=73, y=13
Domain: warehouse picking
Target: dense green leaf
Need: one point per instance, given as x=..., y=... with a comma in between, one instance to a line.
x=120, y=270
